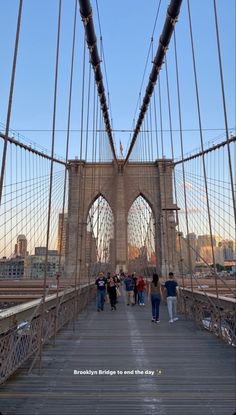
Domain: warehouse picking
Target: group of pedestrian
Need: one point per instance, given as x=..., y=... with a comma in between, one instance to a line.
x=169, y=292
x=107, y=287
x=136, y=287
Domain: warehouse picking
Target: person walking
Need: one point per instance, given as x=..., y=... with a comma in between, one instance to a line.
x=129, y=286
x=141, y=287
x=172, y=292
x=155, y=292
x=111, y=289
x=101, y=290
x=135, y=279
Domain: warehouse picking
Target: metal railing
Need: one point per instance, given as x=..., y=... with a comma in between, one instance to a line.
x=20, y=325
x=218, y=315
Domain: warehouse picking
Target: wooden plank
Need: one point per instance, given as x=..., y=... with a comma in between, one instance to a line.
x=197, y=369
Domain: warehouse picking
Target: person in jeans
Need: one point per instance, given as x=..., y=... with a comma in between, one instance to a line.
x=172, y=291
x=129, y=286
x=155, y=291
x=111, y=289
x=135, y=279
x=141, y=287
x=101, y=290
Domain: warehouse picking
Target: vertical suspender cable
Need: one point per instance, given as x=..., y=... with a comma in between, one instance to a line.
x=84, y=182
x=171, y=18
x=172, y=154
x=182, y=156
x=4, y=155
x=202, y=148
x=86, y=14
x=80, y=167
x=50, y=185
x=66, y=161
x=225, y=112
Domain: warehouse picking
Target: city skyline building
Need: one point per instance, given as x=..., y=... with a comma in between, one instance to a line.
x=21, y=246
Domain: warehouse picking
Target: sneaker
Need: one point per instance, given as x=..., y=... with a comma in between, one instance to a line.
x=153, y=319
x=176, y=318
x=157, y=321
x=143, y=304
x=171, y=321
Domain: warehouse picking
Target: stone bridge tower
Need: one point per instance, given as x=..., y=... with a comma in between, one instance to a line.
x=120, y=186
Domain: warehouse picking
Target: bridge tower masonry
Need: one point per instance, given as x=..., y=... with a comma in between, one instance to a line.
x=120, y=185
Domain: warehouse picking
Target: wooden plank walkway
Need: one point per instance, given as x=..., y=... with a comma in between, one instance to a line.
x=194, y=372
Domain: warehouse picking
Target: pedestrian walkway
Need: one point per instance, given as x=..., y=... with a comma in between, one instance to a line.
x=179, y=369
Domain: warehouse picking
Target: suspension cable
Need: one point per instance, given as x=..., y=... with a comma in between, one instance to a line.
x=86, y=14
x=224, y=108
x=4, y=155
x=171, y=19
x=51, y=183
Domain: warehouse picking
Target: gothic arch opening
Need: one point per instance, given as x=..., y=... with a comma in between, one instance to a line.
x=141, y=237
x=100, y=237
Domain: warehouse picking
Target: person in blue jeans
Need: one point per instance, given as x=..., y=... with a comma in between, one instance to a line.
x=101, y=290
x=141, y=286
x=155, y=292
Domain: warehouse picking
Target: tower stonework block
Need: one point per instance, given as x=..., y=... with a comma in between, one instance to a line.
x=120, y=186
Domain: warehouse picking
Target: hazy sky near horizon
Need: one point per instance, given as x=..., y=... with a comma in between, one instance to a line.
x=126, y=27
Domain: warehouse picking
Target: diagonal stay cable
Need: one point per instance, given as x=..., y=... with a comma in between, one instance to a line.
x=171, y=19
x=86, y=14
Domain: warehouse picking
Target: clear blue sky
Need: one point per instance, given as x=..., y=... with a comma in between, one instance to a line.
x=126, y=29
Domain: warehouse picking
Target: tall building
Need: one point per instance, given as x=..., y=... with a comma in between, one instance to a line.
x=35, y=264
x=61, y=236
x=21, y=246
x=205, y=240
x=228, y=248
x=219, y=255
x=12, y=268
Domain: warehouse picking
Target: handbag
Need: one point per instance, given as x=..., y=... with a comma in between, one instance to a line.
x=118, y=293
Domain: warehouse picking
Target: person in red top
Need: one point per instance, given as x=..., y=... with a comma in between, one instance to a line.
x=141, y=286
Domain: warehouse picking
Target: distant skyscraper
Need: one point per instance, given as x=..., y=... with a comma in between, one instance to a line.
x=205, y=241
x=12, y=268
x=61, y=237
x=21, y=246
x=35, y=264
x=228, y=247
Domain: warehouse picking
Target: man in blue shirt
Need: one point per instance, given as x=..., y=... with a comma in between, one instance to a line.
x=172, y=292
x=129, y=286
x=101, y=290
